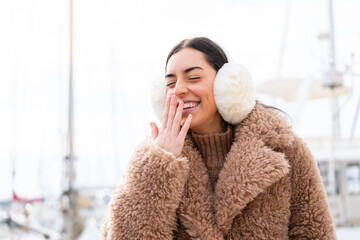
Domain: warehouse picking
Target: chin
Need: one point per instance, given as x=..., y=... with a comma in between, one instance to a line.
x=184, y=117
x=193, y=125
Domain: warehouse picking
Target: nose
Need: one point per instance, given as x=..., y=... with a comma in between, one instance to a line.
x=180, y=88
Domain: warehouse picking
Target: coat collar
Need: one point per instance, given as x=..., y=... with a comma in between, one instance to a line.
x=250, y=167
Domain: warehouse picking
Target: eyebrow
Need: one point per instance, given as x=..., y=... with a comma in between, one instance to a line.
x=185, y=71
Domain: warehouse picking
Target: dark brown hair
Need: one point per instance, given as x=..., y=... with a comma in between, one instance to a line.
x=213, y=53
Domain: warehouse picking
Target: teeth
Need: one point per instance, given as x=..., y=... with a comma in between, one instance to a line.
x=190, y=105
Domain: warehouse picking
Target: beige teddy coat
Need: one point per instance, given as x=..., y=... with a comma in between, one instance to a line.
x=269, y=188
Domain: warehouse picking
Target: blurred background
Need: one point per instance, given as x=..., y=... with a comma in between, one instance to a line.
x=75, y=81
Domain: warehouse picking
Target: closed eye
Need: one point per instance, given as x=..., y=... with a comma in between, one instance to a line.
x=194, y=78
x=170, y=83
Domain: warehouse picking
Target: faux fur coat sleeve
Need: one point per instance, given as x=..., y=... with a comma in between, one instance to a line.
x=139, y=212
x=310, y=215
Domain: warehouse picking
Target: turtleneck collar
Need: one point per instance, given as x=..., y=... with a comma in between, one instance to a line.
x=213, y=148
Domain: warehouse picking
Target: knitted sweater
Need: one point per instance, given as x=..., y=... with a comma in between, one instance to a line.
x=213, y=148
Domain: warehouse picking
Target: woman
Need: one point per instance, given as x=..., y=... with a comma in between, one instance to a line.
x=222, y=166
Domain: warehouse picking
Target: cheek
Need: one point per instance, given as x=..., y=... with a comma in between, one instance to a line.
x=208, y=96
x=206, y=92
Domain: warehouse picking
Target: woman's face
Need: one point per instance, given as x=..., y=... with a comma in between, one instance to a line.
x=191, y=78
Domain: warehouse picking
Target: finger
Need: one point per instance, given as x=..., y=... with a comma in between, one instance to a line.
x=154, y=131
x=177, y=118
x=166, y=112
x=172, y=110
x=185, y=127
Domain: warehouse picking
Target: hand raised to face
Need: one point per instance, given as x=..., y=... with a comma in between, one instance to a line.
x=171, y=135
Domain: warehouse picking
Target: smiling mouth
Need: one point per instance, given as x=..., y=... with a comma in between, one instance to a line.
x=190, y=106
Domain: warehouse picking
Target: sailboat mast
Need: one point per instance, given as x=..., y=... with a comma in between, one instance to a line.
x=332, y=38
x=333, y=82
x=69, y=204
x=71, y=104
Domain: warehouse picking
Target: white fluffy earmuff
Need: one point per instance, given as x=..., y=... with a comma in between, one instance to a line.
x=234, y=93
x=158, y=96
